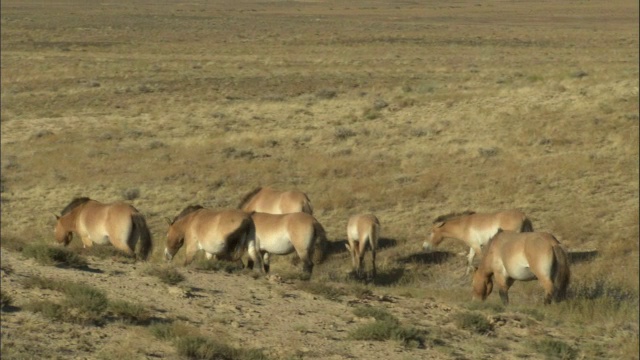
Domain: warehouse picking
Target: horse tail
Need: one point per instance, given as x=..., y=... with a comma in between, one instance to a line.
x=562, y=273
x=237, y=240
x=141, y=228
x=306, y=206
x=375, y=235
x=320, y=243
x=527, y=226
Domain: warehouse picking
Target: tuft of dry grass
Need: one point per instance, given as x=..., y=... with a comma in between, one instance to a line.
x=54, y=255
x=166, y=273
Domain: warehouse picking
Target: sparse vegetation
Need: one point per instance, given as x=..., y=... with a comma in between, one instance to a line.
x=167, y=274
x=54, y=255
x=474, y=322
x=217, y=265
x=408, y=110
x=385, y=327
x=191, y=344
x=555, y=349
x=327, y=291
x=129, y=312
x=83, y=304
x=6, y=300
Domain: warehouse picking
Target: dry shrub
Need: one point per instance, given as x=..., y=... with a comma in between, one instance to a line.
x=54, y=255
x=474, y=322
x=555, y=349
x=167, y=274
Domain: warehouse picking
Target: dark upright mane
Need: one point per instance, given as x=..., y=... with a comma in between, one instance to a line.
x=453, y=215
x=73, y=204
x=248, y=197
x=188, y=210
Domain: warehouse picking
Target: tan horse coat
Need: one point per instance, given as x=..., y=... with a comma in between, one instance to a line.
x=282, y=234
x=222, y=233
x=475, y=229
x=512, y=256
x=272, y=201
x=117, y=223
x=362, y=229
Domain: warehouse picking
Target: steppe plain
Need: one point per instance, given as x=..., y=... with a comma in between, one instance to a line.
x=405, y=109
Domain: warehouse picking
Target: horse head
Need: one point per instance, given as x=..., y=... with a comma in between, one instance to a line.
x=175, y=240
x=61, y=233
x=482, y=285
x=435, y=237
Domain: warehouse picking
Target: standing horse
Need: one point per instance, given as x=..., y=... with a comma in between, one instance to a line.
x=221, y=233
x=512, y=256
x=282, y=234
x=362, y=229
x=269, y=200
x=117, y=223
x=475, y=229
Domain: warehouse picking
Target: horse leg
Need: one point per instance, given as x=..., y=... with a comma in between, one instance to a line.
x=547, y=284
x=472, y=254
x=254, y=257
x=353, y=251
x=265, y=262
x=503, y=287
x=373, y=262
x=307, y=266
x=86, y=242
x=190, y=253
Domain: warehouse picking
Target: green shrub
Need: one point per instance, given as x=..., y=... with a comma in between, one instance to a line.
x=474, y=322
x=12, y=243
x=106, y=251
x=218, y=265
x=376, y=313
x=54, y=255
x=85, y=298
x=385, y=327
x=129, y=312
x=48, y=309
x=376, y=331
x=167, y=275
x=192, y=345
x=83, y=304
x=5, y=300
x=555, y=349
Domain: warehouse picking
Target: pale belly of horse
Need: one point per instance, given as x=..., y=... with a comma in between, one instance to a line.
x=278, y=248
x=522, y=273
x=101, y=240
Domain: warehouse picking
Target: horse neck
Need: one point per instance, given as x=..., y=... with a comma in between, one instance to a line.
x=455, y=229
x=69, y=220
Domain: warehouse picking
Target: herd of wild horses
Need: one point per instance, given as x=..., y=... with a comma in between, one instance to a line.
x=269, y=221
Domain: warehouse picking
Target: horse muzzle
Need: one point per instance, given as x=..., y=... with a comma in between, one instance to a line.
x=427, y=247
x=167, y=255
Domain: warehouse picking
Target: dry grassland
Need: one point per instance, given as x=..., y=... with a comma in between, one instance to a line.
x=405, y=109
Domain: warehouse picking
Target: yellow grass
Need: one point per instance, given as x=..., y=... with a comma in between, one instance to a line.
x=489, y=105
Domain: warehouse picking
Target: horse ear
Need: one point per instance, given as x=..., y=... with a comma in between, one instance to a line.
x=168, y=221
x=57, y=217
x=438, y=224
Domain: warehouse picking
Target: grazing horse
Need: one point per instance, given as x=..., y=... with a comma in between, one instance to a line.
x=269, y=200
x=362, y=229
x=221, y=233
x=512, y=256
x=475, y=229
x=117, y=223
x=282, y=234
